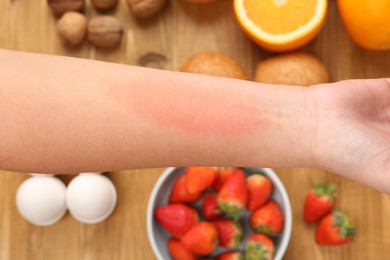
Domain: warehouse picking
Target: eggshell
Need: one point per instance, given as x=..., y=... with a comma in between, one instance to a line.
x=91, y=198
x=41, y=199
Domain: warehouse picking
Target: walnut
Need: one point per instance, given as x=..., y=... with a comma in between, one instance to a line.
x=59, y=7
x=72, y=27
x=145, y=8
x=104, y=4
x=104, y=31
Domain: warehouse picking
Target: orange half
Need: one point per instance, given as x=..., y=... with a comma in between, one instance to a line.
x=281, y=25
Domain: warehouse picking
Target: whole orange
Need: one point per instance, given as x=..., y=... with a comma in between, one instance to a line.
x=367, y=22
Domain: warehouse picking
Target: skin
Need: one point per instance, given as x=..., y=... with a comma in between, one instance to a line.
x=67, y=115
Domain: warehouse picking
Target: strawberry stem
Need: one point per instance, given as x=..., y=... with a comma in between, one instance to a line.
x=341, y=220
x=321, y=189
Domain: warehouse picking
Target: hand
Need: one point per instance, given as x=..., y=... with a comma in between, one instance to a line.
x=352, y=136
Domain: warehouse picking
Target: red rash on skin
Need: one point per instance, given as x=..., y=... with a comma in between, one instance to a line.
x=196, y=109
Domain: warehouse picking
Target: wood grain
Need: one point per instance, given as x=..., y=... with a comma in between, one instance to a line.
x=166, y=41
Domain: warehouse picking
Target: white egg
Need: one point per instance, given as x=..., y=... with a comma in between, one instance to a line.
x=91, y=198
x=41, y=199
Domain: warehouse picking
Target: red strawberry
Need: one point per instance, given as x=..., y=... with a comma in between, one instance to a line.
x=268, y=219
x=177, y=218
x=234, y=255
x=179, y=191
x=201, y=238
x=229, y=233
x=233, y=196
x=223, y=174
x=259, y=191
x=334, y=229
x=200, y=178
x=319, y=201
x=210, y=207
x=178, y=251
x=259, y=247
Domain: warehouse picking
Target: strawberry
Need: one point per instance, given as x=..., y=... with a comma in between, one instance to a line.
x=319, y=201
x=223, y=174
x=259, y=191
x=179, y=191
x=200, y=179
x=259, y=247
x=201, y=238
x=234, y=255
x=177, y=218
x=268, y=219
x=229, y=233
x=334, y=229
x=210, y=207
x=233, y=195
x=178, y=251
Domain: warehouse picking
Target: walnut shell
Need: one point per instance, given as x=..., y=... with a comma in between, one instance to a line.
x=145, y=8
x=104, y=31
x=72, y=27
x=296, y=68
x=104, y=4
x=59, y=7
x=215, y=64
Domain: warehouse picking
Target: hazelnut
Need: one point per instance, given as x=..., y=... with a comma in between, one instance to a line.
x=104, y=4
x=145, y=8
x=295, y=68
x=72, y=27
x=59, y=7
x=104, y=31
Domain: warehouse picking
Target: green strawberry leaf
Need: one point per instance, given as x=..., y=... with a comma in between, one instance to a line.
x=345, y=228
x=255, y=251
x=265, y=230
x=322, y=189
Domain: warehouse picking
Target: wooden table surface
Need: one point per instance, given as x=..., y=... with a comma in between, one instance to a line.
x=181, y=30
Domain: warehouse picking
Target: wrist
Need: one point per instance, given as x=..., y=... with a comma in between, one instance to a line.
x=298, y=123
x=293, y=118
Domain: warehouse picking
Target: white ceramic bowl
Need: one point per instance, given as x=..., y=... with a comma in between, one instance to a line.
x=158, y=237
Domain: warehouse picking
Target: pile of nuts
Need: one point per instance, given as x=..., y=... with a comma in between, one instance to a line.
x=104, y=31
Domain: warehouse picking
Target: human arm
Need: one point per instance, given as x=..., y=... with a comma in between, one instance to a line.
x=64, y=115
x=70, y=115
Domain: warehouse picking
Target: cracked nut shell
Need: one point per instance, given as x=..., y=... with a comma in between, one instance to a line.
x=104, y=4
x=145, y=8
x=59, y=7
x=104, y=31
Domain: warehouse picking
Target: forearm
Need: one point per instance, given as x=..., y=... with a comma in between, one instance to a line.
x=70, y=115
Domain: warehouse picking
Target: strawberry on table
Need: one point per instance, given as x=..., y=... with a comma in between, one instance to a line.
x=234, y=255
x=229, y=233
x=268, y=219
x=223, y=174
x=201, y=239
x=319, y=201
x=176, y=218
x=180, y=193
x=210, y=207
x=200, y=179
x=233, y=196
x=178, y=251
x=259, y=191
x=334, y=229
x=259, y=247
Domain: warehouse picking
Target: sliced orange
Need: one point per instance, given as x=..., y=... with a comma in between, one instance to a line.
x=281, y=25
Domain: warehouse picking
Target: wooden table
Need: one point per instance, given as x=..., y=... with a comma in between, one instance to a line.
x=181, y=30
